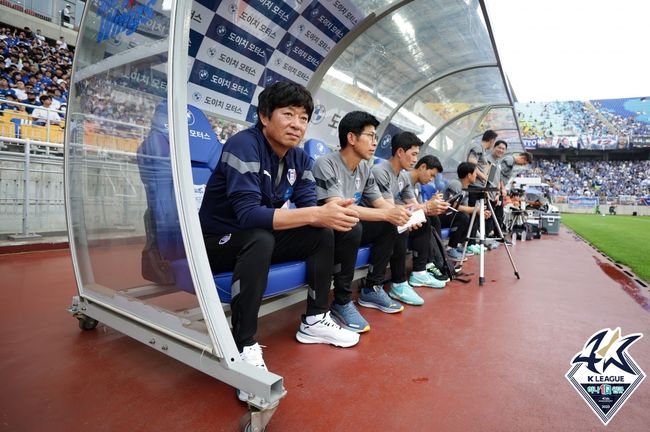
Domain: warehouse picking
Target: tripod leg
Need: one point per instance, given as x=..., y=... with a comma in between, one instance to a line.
x=469, y=232
x=481, y=240
x=502, y=237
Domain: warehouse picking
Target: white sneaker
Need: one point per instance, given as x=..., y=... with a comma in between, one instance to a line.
x=251, y=355
x=326, y=331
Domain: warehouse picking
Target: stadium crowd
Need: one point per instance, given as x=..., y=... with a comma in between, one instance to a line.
x=607, y=180
x=33, y=69
x=589, y=120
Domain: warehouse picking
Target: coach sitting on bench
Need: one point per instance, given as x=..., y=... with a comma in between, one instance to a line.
x=247, y=223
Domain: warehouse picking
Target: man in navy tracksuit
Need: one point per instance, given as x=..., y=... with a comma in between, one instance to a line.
x=248, y=222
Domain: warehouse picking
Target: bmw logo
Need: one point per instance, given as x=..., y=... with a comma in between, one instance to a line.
x=196, y=96
x=254, y=118
x=190, y=118
x=212, y=51
x=385, y=141
x=203, y=74
x=315, y=12
x=289, y=44
x=301, y=28
x=233, y=8
x=319, y=114
x=221, y=30
x=278, y=61
x=269, y=80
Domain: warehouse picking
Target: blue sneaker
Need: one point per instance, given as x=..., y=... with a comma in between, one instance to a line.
x=469, y=251
x=349, y=317
x=377, y=298
x=455, y=254
x=426, y=280
x=404, y=293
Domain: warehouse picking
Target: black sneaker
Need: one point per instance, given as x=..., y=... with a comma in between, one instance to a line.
x=504, y=241
x=433, y=271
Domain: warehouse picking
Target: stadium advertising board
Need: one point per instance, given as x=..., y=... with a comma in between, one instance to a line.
x=240, y=47
x=582, y=202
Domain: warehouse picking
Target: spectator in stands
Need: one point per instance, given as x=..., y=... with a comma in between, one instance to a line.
x=20, y=91
x=4, y=88
x=394, y=183
x=45, y=114
x=248, y=224
x=344, y=175
x=459, y=220
x=7, y=105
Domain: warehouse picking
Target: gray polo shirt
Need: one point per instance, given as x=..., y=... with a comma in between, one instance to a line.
x=497, y=163
x=507, y=163
x=478, y=152
x=334, y=179
x=396, y=188
x=454, y=187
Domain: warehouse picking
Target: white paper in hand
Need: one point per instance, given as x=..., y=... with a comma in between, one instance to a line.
x=416, y=218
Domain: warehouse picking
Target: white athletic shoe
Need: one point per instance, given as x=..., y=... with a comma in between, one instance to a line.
x=251, y=355
x=326, y=331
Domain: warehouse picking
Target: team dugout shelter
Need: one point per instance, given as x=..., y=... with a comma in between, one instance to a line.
x=156, y=86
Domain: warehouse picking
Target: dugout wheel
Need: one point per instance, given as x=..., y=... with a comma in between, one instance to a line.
x=246, y=424
x=87, y=323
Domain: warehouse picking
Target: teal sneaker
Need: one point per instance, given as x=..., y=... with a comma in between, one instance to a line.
x=433, y=270
x=476, y=249
x=425, y=280
x=403, y=292
x=377, y=298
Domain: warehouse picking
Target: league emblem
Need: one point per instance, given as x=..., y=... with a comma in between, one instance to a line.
x=604, y=373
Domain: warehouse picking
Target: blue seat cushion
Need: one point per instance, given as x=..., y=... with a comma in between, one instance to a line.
x=445, y=232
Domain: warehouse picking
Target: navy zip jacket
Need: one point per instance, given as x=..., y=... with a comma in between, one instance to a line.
x=241, y=193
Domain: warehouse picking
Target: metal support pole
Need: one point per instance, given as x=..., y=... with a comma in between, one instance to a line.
x=25, y=234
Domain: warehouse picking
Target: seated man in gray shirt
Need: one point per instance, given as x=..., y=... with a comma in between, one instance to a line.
x=459, y=220
x=395, y=185
x=346, y=174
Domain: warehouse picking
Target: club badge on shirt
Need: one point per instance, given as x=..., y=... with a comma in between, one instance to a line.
x=291, y=176
x=357, y=182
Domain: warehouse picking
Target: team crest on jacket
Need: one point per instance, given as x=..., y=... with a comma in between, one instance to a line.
x=604, y=373
x=291, y=176
x=357, y=182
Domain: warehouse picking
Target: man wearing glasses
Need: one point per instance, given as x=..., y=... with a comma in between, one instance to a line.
x=344, y=175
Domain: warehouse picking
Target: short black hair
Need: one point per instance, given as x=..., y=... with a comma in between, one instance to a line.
x=431, y=162
x=283, y=94
x=465, y=169
x=404, y=140
x=489, y=135
x=499, y=142
x=528, y=156
x=355, y=122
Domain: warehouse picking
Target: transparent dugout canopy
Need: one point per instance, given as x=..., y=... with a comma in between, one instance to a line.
x=426, y=66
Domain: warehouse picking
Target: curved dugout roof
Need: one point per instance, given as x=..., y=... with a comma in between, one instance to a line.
x=427, y=66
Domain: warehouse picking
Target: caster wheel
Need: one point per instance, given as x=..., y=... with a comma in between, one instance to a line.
x=245, y=424
x=87, y=323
